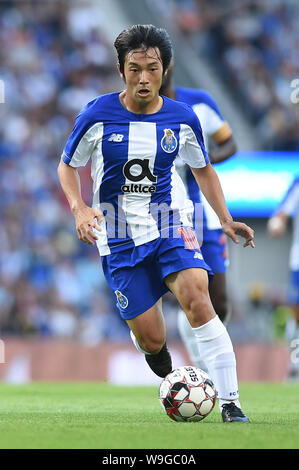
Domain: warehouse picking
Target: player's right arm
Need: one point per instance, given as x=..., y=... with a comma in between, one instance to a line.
x=86, y=218
x=77, y=152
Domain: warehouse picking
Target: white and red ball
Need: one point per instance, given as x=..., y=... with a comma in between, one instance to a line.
x=187, y=394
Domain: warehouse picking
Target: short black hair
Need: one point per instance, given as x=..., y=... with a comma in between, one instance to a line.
x=143, y=36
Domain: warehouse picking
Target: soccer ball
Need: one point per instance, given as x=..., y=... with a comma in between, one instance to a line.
x=187, y=394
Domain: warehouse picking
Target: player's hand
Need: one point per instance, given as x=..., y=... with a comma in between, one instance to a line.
x=232, y=229
x=276, y=226
x=87, y=219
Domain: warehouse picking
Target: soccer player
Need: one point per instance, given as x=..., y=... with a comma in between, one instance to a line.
x=214, y=244
x=289, y=207
x=140, y=214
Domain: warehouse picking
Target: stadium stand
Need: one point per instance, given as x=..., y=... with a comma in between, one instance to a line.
x=253, y=46
x=54, y=60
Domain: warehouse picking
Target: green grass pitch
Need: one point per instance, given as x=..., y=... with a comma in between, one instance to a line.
x=103, y=416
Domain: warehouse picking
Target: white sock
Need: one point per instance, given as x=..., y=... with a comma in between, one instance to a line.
x=189, y=340
x=216, y=350
x=136, y=344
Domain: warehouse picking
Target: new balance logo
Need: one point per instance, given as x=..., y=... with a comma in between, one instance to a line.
x=116, y=137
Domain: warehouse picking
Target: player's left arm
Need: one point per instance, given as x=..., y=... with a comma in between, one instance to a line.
x=194, y=154
x=225, y=145
x=209, y=184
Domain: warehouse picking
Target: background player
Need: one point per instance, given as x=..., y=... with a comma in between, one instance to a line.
x=276, y=227
x=214, y=245
x=134, y=137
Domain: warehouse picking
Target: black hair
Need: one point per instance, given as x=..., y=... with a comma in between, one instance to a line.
x=143, y=36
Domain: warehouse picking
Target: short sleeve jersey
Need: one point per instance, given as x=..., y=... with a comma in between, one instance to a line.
x=211, y=121
x=132, y=166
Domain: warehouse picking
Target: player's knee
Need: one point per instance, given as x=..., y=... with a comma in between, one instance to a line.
x=152, y=344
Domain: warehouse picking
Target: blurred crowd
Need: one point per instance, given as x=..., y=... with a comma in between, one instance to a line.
x=253, y=46
x=53, y=60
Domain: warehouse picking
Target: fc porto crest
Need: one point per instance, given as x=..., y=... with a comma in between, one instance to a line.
x=169, y=141
x=121, y=299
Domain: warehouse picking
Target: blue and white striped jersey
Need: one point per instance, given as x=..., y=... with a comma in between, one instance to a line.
x=132, y=166
x=211, y=121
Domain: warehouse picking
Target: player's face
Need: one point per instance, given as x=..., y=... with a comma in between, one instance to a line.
x=143, y=73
